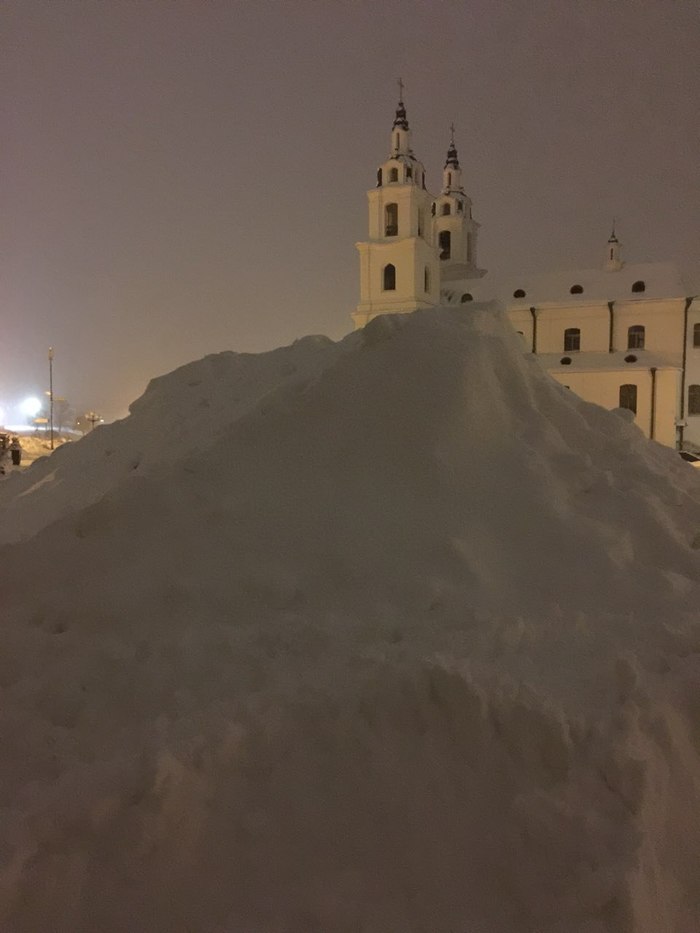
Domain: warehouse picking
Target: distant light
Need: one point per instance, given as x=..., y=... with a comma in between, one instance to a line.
x=30, y=407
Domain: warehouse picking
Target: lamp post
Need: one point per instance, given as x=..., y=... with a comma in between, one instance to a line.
x=93, y=418
x=51, y=394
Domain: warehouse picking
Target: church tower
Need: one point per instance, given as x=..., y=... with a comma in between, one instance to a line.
x=398, y=264
x=454, y=228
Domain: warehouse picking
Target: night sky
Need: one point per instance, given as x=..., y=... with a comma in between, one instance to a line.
x=180, y=178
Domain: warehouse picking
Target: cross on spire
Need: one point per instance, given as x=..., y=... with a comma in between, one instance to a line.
x=452, y=133
x=400, y=83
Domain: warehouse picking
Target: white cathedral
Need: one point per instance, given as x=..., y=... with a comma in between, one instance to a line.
x=622, y=336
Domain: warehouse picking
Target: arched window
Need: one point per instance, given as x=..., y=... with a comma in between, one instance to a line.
x=426, y=279
x=696, y=335
x=572, y=339
x=576, y=289
x=393, y=174
x=444, y=244
x=635, y=337
x=628, y=397
x=391, y=220
x=466, y=297
x=389, y=278
x=469, y=247
x=694, y=400
x=518, y=293
x=639, y=286
x=459, y=207
x=445, y=210
x=409, y=172
x=379, y=178
x=398, y=140
x=449, y=179
x=612, y=253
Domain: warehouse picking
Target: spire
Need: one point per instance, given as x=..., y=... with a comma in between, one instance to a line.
x=613, y=260
x=452, y=159
x=400, y=118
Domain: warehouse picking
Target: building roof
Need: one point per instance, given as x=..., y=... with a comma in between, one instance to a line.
x=661, y=280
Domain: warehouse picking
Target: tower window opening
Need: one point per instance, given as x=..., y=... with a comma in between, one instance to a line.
x=518, y=293
x=696, y=335
x=459, y=207
x=576, y=289
x=398, y=140
x=572, y=339
x=426, y=279
x=612, y=253
x=445, y=210
x=432, y=208
x=409, y=172
x=694, y=400
x=393, y=174
x=635, y=337
x=389, y=278
x=391, y=220
x=445, y=244
x=449, y=179
x=639, y=286
x=628, y=397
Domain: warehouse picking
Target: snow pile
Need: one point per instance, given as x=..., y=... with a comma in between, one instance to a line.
x=394, y=634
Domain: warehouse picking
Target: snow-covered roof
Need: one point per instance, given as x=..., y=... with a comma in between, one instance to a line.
x=660, y=280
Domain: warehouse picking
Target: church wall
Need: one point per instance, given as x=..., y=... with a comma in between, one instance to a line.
x=592, y=321
x=603, y=388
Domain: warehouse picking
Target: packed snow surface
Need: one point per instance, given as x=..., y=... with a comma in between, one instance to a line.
x=387, y=635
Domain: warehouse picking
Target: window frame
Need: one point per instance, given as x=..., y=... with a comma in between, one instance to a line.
x=389, y=278
x=636, y=337
x=633, y=392
x=572, y=339
x=694, y=399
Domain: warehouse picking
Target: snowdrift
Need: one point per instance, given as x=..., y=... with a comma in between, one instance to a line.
x=394, y=634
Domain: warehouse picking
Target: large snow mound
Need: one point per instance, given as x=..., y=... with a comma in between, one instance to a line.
x=393, y=634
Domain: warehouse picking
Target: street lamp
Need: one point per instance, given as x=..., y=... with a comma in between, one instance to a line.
x=93, y=418
x=51, y=393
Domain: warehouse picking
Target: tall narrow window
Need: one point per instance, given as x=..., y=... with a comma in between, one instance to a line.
x=470, y=247
x=449, y=179
x=635, y=337
x=393, y=174
x=696, y=335
x=391, y=220
x=426, y=280
x=420, y=223
x=628, y=397
x=694, y=400
x=432, y=208
x=397, y=140
x=445, y=244
x=572, y=339
x=445, y=209
x=612, y=253
x=409, y=172
x=389, y=278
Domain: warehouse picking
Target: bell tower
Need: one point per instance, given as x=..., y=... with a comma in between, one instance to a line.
x=455, y=230
x=399, y=270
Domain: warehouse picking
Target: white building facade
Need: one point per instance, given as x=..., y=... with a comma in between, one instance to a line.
x=624, y=335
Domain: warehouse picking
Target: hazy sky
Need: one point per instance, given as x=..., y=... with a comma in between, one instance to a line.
x=180, y=178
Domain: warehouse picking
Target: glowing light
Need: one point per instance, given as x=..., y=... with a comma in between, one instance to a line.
x=30, y=407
